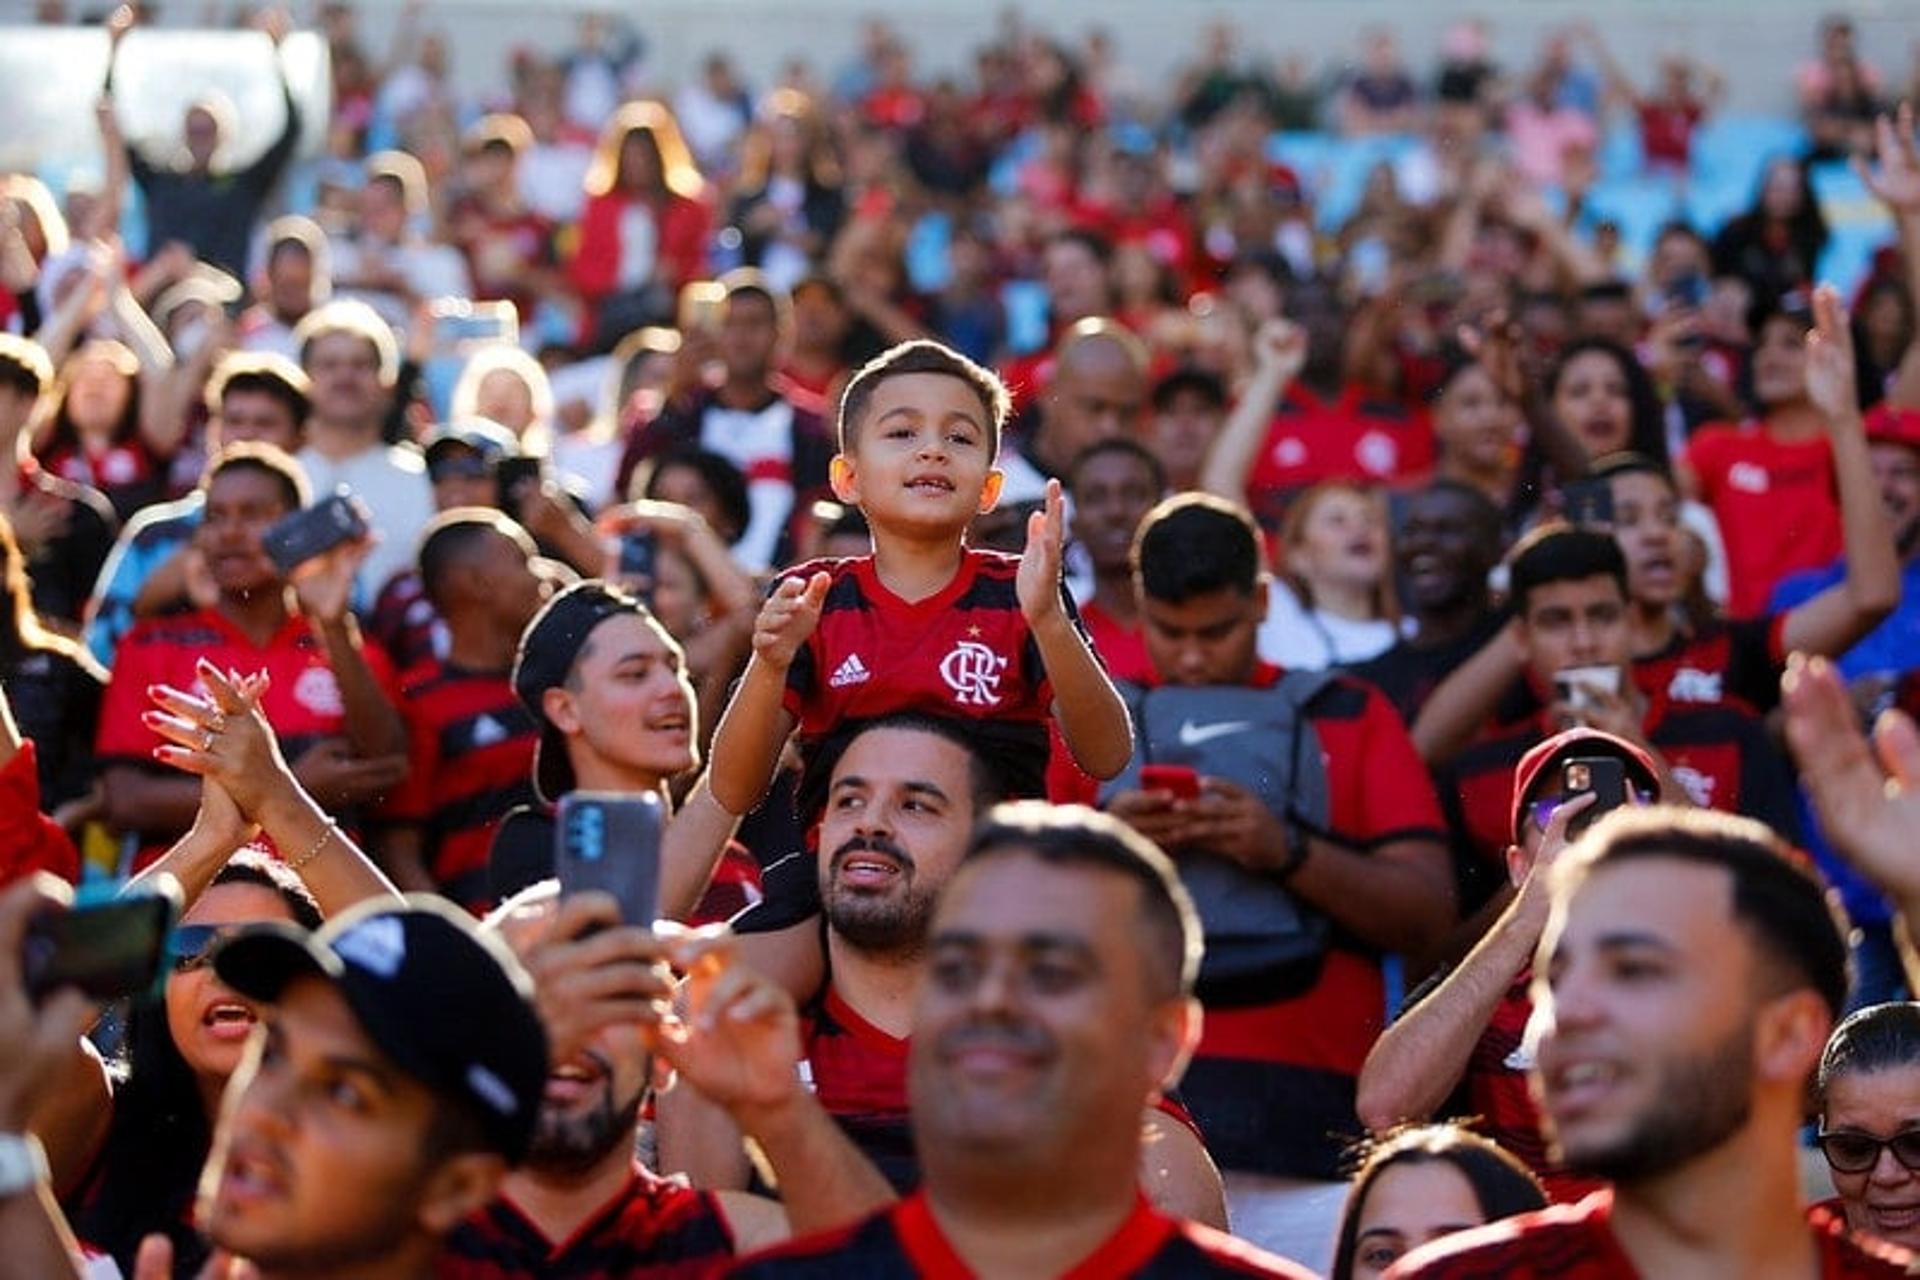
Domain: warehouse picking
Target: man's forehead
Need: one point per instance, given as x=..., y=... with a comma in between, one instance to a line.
x=1673, y=898
x=624, y=635
x=904, y=757
x=1011, y=895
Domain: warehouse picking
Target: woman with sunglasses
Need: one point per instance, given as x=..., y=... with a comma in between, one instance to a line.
x=126, y=1138
x=1869, y=1094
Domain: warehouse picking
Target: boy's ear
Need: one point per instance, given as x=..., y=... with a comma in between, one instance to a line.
x=990, y=491
x=841, y=478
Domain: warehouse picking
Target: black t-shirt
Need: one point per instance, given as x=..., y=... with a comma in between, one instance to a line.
x=56, y=704
x=1408, y=673
x=65, y=567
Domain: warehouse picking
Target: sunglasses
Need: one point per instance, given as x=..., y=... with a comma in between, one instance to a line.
x=193, y=945
x=1543, y=810
x=1850, y=1151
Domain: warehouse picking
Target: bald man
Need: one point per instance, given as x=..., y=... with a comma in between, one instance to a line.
x=1098, y=390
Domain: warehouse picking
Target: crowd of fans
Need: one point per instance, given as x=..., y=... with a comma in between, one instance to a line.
x=1118, y=589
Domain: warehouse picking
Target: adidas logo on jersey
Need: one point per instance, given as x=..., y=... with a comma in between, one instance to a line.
x=852, y=671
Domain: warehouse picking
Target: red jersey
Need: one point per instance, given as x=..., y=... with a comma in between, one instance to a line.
x=1272, y=1085
x=1356, y=435
x=1122, y=649
x=470, y=743
x=303, y=702
x=965, y=652
x=1777, y=505
x=1576, y=1242
x=654, y=1228
x=1732, y=661
x=906, y=1241
x=1496, y=1090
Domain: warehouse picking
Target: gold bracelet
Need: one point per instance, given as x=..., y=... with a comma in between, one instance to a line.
x=332, y=830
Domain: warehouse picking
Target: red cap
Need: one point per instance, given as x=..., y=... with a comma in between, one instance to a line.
x=1888, y=425
x=1565, y=746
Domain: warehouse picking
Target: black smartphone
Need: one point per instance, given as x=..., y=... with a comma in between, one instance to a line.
x=636, y=555
x=611, y=842
x=107, y=950
x=1589, y=504
x=1605, y=777
x=314, y=532
x=513, y=475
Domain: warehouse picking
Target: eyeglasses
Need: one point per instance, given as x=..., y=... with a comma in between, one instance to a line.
x=1850, y=1151
x=1543, y=810
x=193, y=945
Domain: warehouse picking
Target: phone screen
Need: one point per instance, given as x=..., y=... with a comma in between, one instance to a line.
x=107, y=950
x=611, y=842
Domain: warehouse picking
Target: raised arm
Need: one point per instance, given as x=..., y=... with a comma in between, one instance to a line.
x=1462, y=703
x=1280, y=352
x=324, y=587
x=1896, y=181
x=1093, y=719
x=756, y=724
x=1832, y=621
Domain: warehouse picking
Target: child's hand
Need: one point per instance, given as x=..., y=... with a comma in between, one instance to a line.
x=1038, y=582
x=788, y=618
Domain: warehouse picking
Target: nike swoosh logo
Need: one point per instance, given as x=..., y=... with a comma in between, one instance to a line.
x=1192, y=735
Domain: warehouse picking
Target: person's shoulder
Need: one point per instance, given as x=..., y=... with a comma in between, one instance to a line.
x=1560, y=1239
x=1219, y=1254
x=854, y=1249
x=423, y=677
x=164, y=521
x=986, y=560
x=173, y=630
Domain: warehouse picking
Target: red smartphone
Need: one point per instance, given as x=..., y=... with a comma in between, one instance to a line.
x=1183, y=782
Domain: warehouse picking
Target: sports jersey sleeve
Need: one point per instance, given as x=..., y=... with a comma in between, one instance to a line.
x=802, y=673
x=412, y=801
x=1706, y=457
x=1392, y=792
x=122, y=738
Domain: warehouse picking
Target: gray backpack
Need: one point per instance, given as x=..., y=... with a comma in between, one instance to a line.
x=1263, y=944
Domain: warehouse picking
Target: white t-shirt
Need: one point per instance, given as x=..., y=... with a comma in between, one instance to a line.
x=1303, y=639
x=393, y=482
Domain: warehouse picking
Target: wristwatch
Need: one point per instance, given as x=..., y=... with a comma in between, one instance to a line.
x=1297, y=852
x=23, y=1163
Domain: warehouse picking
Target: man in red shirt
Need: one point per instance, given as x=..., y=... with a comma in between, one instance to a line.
x=1113, y=484
x=1273, y=1083
x=1687, y=981
x=330, y=699
x=1056, y=1004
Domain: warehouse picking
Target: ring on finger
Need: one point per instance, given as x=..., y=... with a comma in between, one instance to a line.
x=206, y=740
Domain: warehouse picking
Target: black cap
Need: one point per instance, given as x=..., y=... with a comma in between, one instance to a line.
x=487, y=438
x=548, y=648
x=449, y=1005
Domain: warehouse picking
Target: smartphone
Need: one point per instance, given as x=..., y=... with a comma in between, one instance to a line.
x=107, y=950
x=1589, y=504
x=512, y=476
x=1183, y=782
x=703, y=305
x=460, y=324
x=1688, y=291
x=636, y=554
x=314, y=532
x=611, y=842
x=1577, y=685
x=1604, y=777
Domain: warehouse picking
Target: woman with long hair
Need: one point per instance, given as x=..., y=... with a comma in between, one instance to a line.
x=788, y=203
x=97, y=434
x=1775, y=245
x=1421, y=1184
x=54, y=686
x=643, y=232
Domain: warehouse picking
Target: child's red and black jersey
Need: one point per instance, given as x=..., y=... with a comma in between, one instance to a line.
x=470, y=743
x=965, y=652
x=654, y=1228
x=1740, y=660
x=1718, y=752
x=905, y=1242
x=858, y=1072
x=1576, y=1242
x=303, y=702
x=1272, y=1086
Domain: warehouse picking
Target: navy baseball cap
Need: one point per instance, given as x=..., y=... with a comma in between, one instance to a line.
x=482, y=435
x=450, y=1005
x=548, y=648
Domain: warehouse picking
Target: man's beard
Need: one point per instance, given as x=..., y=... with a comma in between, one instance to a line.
x=1699, y=1102
x=894, y=925
x=566, y=1144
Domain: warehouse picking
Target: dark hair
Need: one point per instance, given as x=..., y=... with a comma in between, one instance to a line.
x=1871, y=1039
x=261, y=373
x=159, y=1133
x=1561, y=553
x=749, y=282
x=21, y=631
x=1647, y=432
x=452, y=536
x=987, y=781
x=1126, y=447
x=1092, y=241
x=1780, y=903
x=1502, y=1185
x=1209, y=386
x=1628, y=463
x=268, y=460
x=1075, y=836
x=1194, y=544
x=923, y=355
x=62, y=433
x=722, y=478
x=24, y=365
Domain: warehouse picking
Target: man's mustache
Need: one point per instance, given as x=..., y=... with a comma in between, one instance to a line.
x=870, y=844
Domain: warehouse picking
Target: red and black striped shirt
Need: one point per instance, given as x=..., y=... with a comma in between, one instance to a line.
x=653, y=1229
x=471, y=745
x=906, y=1241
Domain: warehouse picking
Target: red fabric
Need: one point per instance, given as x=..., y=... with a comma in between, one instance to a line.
x=1356, y=435
x=1778, y=509
x=1576, y=1242
x=1497, y=1091
x=1122, y=648
x=30, y=841
x=681, y=254
x=1666, y=131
